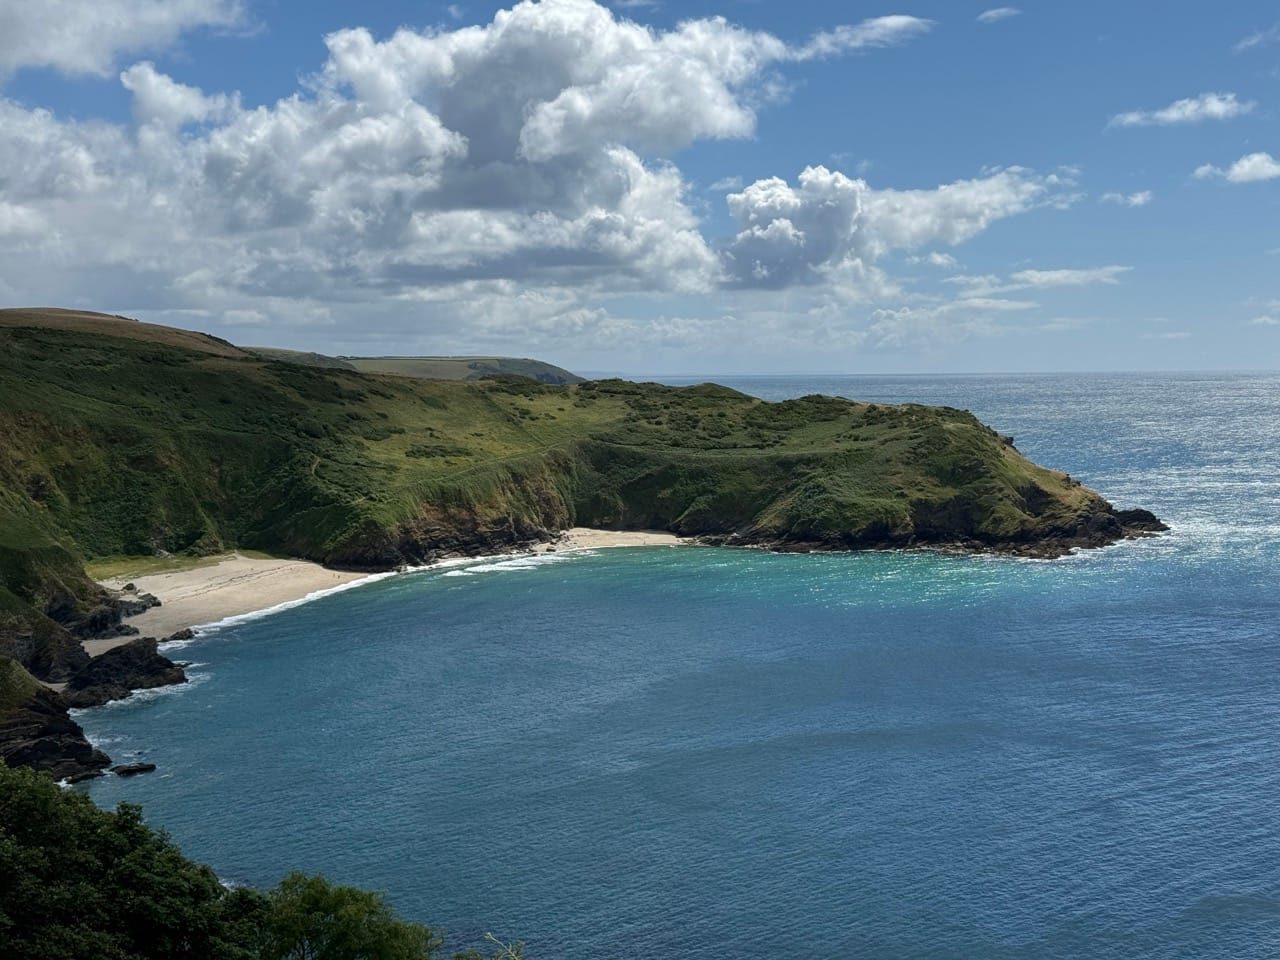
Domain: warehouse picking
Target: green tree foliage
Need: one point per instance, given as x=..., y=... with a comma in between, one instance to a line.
x=312, y=919
x=79, y=883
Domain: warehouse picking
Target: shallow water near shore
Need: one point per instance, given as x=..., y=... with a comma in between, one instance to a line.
x=691, y=752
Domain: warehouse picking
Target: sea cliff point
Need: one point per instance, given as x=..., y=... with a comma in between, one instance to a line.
x=130, y=439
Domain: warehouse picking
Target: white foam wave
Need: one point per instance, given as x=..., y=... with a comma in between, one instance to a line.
x=519, y=564
x=203, y=629
x=145, y=696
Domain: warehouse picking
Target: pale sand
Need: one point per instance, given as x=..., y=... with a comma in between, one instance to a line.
x=233, y=586
x=584, y=538
x=237, y=585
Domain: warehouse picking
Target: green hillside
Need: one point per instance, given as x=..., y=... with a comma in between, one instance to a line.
x=129, y=439
x=463, y=368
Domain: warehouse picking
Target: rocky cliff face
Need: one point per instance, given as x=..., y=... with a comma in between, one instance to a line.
x=38, y=732
x=115, y=674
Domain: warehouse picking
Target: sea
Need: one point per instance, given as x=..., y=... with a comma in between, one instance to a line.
x=683, y=752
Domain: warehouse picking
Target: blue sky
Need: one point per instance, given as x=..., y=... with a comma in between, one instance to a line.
x=657, y=188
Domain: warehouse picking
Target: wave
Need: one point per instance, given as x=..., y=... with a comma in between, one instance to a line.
x=203, y=629
x=141, y=696
x=521, y=564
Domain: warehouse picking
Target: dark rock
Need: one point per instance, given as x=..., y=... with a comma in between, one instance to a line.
x=46, y=649
x=184, y=634
x=131, y=769
x=133, y=606
x=1141, y=520
x=118, y=672
x=81, y=777
x=129, y=588
x=41, y=734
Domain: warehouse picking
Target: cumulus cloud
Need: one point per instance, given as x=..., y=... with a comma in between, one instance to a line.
x=1248, y=169
x=88, y=38
x=1207, y=106
x=511, y=176
x=828, y=223
x=158, y=98
x=996, y=14
x=1139, y=199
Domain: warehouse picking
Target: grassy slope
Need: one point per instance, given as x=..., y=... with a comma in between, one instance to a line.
x=128, y=439
x=462, y=368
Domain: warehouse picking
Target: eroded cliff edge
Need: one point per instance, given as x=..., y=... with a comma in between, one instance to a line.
x=130, y=439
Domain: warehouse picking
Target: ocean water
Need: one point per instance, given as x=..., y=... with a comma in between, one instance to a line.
x=701, y=753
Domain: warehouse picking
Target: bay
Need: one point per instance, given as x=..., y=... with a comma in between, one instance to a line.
x=684, y=752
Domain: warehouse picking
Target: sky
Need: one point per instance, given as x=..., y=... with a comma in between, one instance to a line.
x=652, y=187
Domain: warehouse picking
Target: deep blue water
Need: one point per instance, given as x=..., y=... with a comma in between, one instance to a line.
x=703, y=753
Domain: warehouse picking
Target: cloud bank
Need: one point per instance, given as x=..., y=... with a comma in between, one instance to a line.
x=506, y=177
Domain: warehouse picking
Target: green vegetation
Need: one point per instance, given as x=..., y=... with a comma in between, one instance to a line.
x=129, y=440
x=462, y=368
x=300, y=356
x=79, y=882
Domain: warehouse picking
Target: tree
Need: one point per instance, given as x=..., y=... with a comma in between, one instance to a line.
x=312, y=919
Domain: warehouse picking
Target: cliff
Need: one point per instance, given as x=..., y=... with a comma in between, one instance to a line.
x=123, y=438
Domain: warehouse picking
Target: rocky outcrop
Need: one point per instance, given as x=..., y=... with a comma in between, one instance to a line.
x=132, y=769
x=40, y=733
x=43, y=647
x=115, y=674
x=952, y=529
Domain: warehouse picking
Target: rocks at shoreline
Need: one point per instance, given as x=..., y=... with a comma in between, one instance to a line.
x=132, y=769
x=115, y=674
x=1096, y=528
x=41, y=734
x=133, y=605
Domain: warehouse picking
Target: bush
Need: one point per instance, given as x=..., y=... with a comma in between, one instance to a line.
x=78, y=882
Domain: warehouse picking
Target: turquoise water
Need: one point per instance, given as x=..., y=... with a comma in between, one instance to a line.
x=683, y=752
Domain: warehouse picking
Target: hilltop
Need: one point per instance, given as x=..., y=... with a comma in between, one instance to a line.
x=127, y=439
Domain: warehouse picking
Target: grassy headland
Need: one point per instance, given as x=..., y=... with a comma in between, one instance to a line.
x=129, y=439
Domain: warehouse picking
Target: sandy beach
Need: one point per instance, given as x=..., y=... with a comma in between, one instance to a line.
x=585, y=538
x=234, y=585
x=237, y=584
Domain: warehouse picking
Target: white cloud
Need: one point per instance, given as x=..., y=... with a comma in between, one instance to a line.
x=1248, y=169
x=725, y=184
x=828, y=223
x=1168, y=335
x=997, y=14
x=1069, y=278
x=76, y=37
x=1207, y=106
x=951, y=322
x=159, y=99
x=1139, y=199
x=510, y=179
x=988, y=285
x=876, y=32
x=1259, y=38
x=1266, y=320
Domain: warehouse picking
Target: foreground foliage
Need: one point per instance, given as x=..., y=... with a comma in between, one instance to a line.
x=78, y=883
